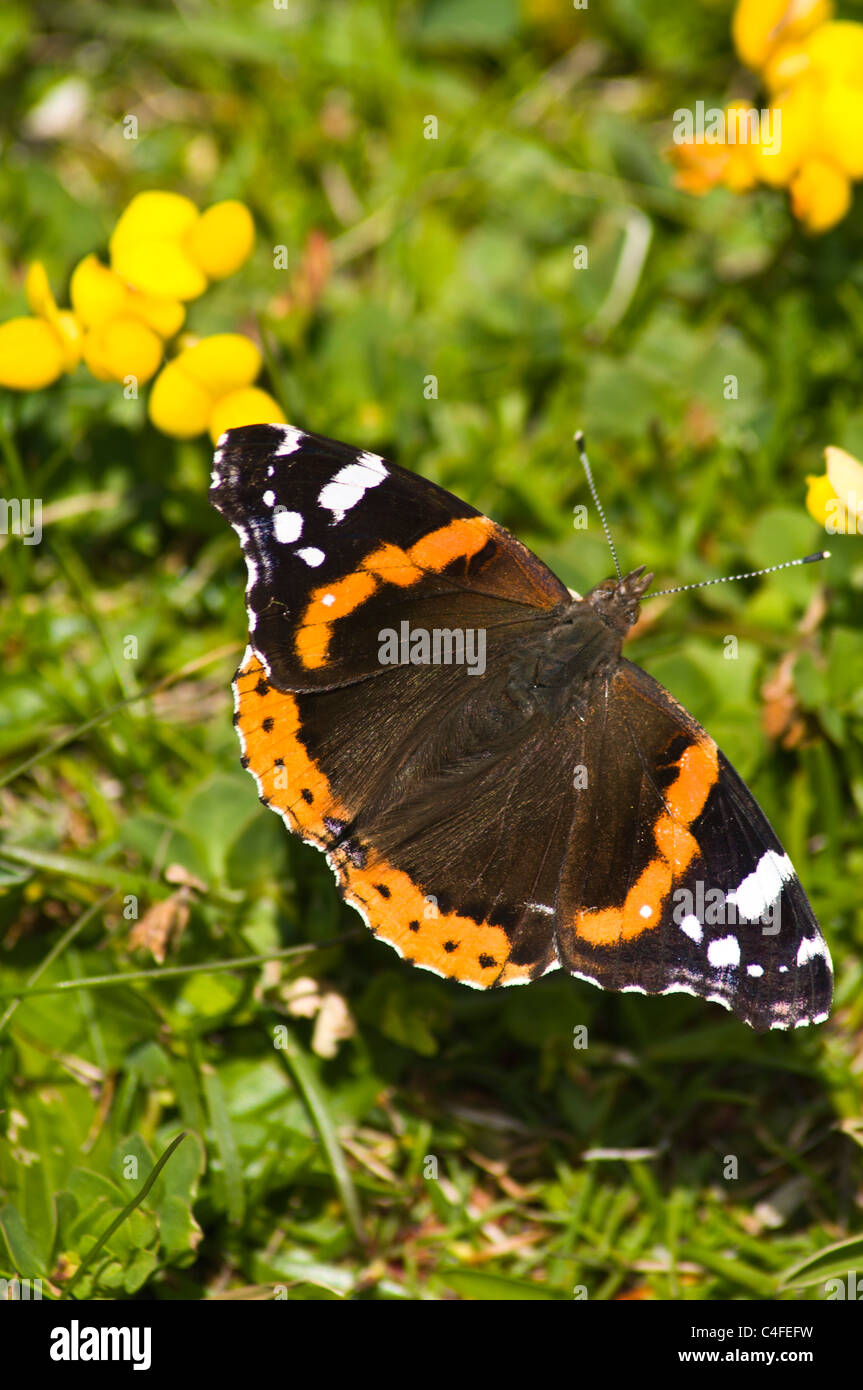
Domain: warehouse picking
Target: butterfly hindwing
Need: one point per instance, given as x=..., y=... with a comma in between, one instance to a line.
x=689, y=889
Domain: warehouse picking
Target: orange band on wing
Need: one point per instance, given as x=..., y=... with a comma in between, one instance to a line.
x=698, y=769
x=453, y=945
x=389, y=564
x=328, y=603
x=461, y=538
x=288, y=780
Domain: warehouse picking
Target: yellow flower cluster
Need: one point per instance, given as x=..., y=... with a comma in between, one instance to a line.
x=835, y=499
x=812, y=69
x=163, y=254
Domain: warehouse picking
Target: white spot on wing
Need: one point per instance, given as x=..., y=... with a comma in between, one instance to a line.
x=269, y=498
x=811, y=947
x=291, y=441
x=328, y=600
x=755, y=970
x=251, y=570
x=724, y=951
x=692, y=927
x=312, y=556
x=760, y=889
x=287, y=527
x=348, y=486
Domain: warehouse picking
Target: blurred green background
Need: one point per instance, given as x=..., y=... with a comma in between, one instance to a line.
x=454, y=1145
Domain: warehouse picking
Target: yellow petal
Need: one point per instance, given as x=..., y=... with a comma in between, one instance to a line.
x=222, y=239
x=841, y=127
x=836, y=52
x=64, y=323
x=164, y=316
x=788, y=64
x=31, y=354
x=249, y=406
x=223, y=362
x=820, y=195
x=794, y=125
x=121, y=348
x=160, y=268
x=96, y=292
x=178, y=405
x=699, y=168
x=740, y=170
x=154, y=216
x=38, y=291
x=760, y=26
x=71, y=336
x=819, y=496
x=845, y=473
x=94, y=361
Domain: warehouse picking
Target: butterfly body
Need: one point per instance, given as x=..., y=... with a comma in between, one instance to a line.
x=499, y=792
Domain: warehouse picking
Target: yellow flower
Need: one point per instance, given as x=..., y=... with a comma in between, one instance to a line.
x=759, y=27
x=835, y=499
x=812, y=67
x=31, y=354
x=249, y=406
x=209, y=386
x=97, y=294
x=820, y=195
x=222, y=239
x=124, y=328
x=163, y=246
x=222, y=362
x=819, y=496
x=35, y=351
x=122, y=347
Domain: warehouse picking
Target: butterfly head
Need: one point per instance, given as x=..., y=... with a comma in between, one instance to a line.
x=617, y=600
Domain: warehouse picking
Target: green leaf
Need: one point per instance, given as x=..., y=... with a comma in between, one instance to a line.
x=28, y=1259
x=408, y=1012
x=834, y=1261
x=226, y=1147
x=469, y=23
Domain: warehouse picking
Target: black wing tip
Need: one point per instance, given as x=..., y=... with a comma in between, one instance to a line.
x=257, y=438
x=239, y=456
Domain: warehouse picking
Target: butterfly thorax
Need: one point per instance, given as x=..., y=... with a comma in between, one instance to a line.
x=617, y=601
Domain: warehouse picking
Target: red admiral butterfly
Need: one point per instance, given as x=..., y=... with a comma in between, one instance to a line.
x=498, y=791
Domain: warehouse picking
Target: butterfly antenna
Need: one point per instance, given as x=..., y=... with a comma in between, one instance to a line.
x=582, y=452
x=750, y=574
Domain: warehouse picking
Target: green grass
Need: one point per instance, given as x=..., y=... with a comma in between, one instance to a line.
x=455, y=1144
